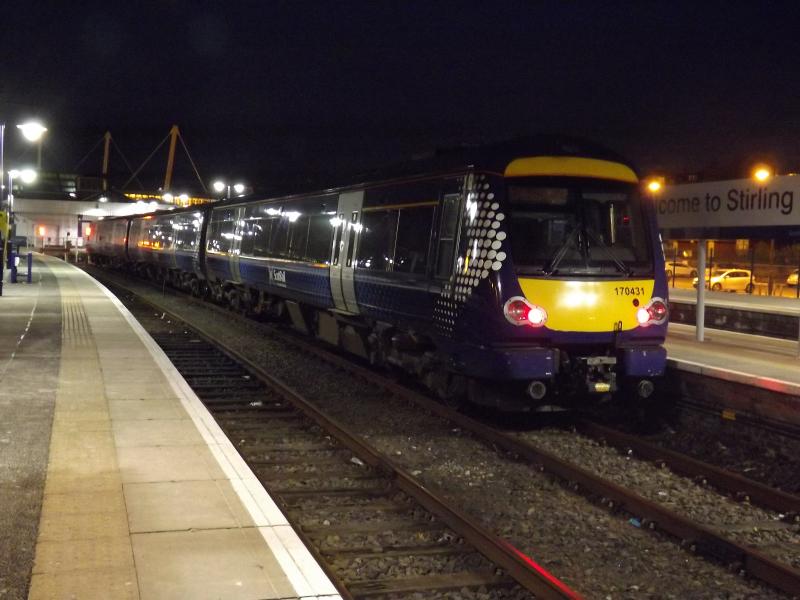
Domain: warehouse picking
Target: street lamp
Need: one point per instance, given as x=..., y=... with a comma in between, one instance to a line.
x=655, y=184
x=26, y=175
x=761, y=173
x=33, y=132
x=220, y=186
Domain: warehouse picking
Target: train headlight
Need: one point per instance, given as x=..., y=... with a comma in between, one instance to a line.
x=518, y=311
x=654, y=313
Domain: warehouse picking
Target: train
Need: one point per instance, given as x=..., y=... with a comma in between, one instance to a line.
x=526, y=275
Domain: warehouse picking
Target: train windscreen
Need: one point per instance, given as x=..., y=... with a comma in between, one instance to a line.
x=578, y=227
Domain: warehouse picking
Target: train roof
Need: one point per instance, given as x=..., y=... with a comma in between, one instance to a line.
x=496, y=157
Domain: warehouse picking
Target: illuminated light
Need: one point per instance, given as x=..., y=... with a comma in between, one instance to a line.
x=238, y=188
x=292, y=215
x=654, y=313
x=42, y=230
x=88, y=230
x=102, y=199
x=518, y=311
x=654, y=186
x=537, y=316
x=335, y=221
x=184, y=198
x=168, y=197
x=219, y=186
x=73, y=195
x=762, y=173
x=32, y=130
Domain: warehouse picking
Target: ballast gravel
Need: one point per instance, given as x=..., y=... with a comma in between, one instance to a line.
x=598, y=553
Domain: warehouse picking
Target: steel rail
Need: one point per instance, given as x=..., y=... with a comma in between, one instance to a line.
x=742, y=487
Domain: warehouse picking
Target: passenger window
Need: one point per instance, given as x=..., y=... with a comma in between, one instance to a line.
x=337, y=238
x=413, y=238
x=298, y=236
x=320, y=234
x=221, y=231
x=279, y=242
x=353, y=238
x=448, y=228
x=377, y=240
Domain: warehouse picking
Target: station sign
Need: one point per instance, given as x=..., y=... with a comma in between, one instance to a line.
x=736, y=203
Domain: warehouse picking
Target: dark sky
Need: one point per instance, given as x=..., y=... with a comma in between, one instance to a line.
x=270, y=91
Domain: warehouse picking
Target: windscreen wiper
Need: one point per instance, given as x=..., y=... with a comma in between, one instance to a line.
x=609, y=254
x=552, y=265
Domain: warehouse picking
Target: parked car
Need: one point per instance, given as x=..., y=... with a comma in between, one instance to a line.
x=792, y=278
x=681, y=268
x=729, y=280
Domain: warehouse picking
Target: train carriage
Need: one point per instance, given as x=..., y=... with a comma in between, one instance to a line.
x=525, y=275
x=107, y=245
x=167, y=245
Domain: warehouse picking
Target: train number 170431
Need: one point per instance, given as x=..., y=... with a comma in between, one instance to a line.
x=629, y=290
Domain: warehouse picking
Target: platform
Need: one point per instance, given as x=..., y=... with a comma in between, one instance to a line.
x=115, y=482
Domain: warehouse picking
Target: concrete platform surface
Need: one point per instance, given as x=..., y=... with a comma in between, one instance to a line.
x=135, y=489
x=764, y=304
x=764, y=362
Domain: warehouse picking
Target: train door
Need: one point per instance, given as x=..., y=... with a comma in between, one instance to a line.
x=236, y=244
x=345, y=239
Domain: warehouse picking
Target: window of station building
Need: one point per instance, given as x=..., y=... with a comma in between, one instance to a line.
x=377, y=240
x=221, y=231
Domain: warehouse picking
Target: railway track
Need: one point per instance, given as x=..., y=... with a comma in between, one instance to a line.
x=376, y=531
x=702, y=539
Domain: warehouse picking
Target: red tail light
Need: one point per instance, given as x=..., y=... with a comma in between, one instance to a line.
x=518, y=311
x=654, y=313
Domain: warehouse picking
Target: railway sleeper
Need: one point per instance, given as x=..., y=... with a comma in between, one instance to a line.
x=423, y=583
x=437, y=550
x=374, y=527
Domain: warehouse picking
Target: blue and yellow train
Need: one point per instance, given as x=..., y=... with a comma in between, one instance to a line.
x=523, y=275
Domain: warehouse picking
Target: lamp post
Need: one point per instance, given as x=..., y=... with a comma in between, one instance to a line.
x=33, y=132
x=27, y=176
x=221, y=186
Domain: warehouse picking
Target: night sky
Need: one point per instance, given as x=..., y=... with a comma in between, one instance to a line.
x=273, y=92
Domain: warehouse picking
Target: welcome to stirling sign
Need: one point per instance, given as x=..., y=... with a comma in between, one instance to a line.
x=731, y=209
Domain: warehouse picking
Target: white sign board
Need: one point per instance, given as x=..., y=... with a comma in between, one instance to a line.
x=732, y=203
